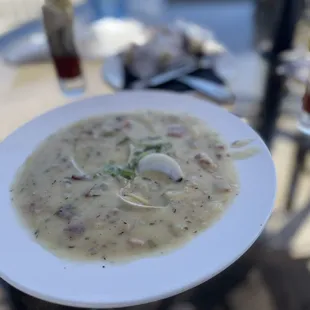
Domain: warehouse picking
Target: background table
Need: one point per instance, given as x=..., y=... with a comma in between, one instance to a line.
x=28, y=91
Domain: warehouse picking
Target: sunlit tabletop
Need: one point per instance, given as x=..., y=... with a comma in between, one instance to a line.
x=30, y=90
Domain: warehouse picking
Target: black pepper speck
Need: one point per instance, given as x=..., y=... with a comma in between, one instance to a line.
x=36, y=233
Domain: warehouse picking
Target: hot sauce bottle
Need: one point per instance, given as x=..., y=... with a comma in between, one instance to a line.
x=58, y=18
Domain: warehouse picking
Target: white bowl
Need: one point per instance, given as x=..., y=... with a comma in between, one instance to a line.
x=32, y=269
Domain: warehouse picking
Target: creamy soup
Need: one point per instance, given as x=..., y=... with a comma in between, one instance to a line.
x=119, y=186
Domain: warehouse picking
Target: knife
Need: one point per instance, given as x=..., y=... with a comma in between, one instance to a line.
x=181, y=70
x=215, y=91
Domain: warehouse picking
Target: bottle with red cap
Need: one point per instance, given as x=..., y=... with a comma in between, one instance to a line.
x=58, y=18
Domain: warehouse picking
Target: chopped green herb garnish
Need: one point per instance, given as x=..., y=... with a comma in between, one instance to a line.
x=155, y=143
x=144, y=147
x=112, y=169
x=116, y=170
x=127, y=173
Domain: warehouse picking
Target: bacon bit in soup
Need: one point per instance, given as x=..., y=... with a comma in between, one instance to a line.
x=66, y=212
x=176, y=130
x=75, y=230
x=123, y=121
x=79, y=177
x=220, y=147
x=126, y=124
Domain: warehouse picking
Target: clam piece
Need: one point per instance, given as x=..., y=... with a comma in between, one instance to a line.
x=244, y=154
x=136, y=242
x=161, y=163
x=222, y=186
x=136, y=201
x=177, y=195
x=176, y=131
x=241, y=143
x=206, y=162
x=82, y=174
x=131, y=153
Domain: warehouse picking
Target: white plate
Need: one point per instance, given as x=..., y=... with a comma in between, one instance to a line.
x=27, y=266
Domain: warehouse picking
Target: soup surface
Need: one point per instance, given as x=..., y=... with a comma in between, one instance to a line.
x=123, y=185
